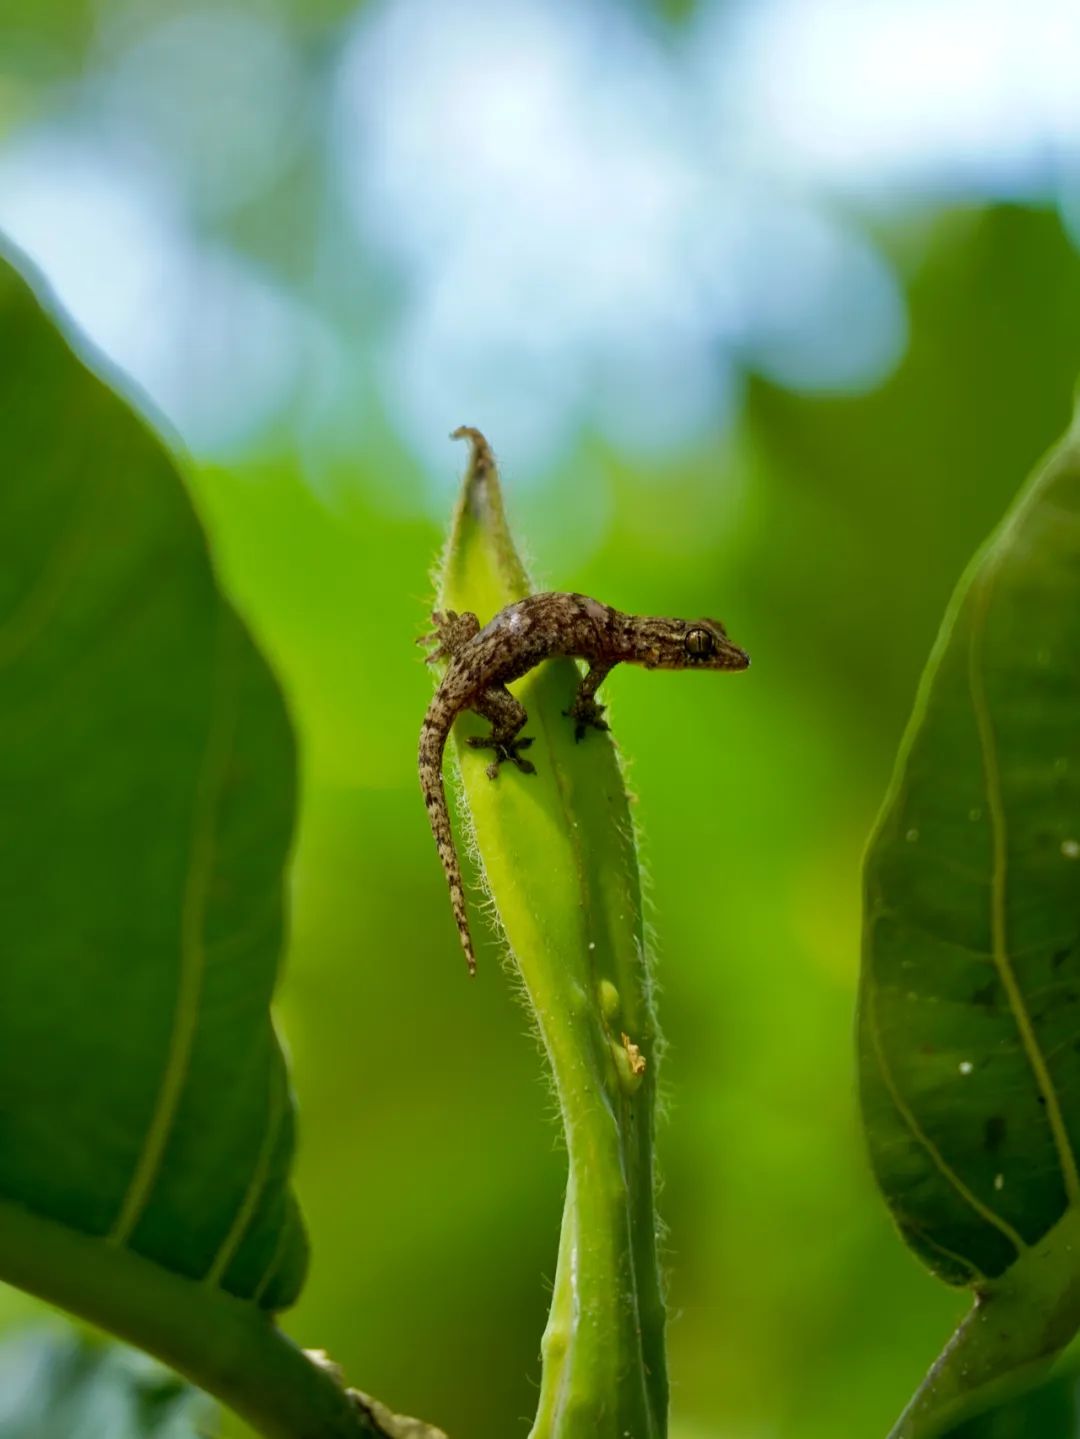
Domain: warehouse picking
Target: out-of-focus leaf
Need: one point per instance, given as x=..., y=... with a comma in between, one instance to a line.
x=969, y=1026
x=60, y=1386
x=895, y=485
x=147, y=779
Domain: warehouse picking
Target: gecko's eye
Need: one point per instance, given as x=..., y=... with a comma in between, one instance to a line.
x=699, y=644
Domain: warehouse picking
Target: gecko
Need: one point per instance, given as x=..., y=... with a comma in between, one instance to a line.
x=481, y=662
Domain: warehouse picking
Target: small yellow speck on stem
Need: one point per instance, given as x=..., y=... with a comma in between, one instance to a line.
x=634, y=1056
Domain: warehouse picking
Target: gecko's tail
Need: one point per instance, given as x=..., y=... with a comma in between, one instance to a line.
x=432, y=744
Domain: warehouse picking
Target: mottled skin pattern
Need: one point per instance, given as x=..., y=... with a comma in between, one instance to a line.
x=482, y=662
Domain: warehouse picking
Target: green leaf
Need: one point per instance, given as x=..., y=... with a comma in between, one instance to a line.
x=969, y=1027
x=147, y=773
x=63, y=1386
x=559, y=860
x=147, y=759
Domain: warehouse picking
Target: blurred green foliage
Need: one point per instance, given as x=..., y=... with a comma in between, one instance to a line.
x=68, y=1386
x=828, y=533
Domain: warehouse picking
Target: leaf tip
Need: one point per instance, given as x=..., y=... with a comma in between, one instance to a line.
x=480, y=515
x=481, y=450
x=483, y=473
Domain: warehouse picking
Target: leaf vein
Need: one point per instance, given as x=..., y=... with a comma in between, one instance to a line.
x=256, y=1187
x=192, y=942
x=38, y=606
x=277, y=1254
x=998, y=907
x=935, y=1155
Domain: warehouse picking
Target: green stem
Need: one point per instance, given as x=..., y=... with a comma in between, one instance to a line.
x=225, y=1346
x=603, y=1347
x=562, y=1322
x=1010, y=1338
x=560, y=862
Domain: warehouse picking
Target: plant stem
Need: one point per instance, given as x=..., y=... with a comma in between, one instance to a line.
x=560, y=862
x=1008, y=1340
x=603, y=1347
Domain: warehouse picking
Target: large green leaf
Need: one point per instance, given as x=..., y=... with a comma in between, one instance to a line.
x=147, y=771
x=970, y=1008
x=147, y=775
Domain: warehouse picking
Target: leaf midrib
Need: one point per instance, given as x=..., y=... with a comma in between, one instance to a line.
x=216, y=756
x=982, y=589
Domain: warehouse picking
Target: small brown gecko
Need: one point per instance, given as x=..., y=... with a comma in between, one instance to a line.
x=482, y=662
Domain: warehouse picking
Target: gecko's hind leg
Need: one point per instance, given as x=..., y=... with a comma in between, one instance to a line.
x=586, y=712
x=451, y=634
x=507, y=716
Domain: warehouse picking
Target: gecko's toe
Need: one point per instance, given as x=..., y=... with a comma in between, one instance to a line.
x=582, y=728
x=586, y=714
x=504, y=750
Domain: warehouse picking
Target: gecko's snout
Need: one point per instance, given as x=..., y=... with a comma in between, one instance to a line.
x=705, y=645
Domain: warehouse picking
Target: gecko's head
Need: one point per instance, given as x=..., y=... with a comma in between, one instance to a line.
x=693, y=645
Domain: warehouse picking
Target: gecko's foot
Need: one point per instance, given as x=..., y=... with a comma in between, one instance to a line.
x=504, y=750
x=586, y=714
x=451, y=634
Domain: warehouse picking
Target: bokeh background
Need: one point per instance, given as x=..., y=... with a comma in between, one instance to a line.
x=767, y=308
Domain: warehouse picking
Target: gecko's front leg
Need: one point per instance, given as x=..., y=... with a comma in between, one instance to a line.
x=451, y=634
x=585, y=711
x=507, y=716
